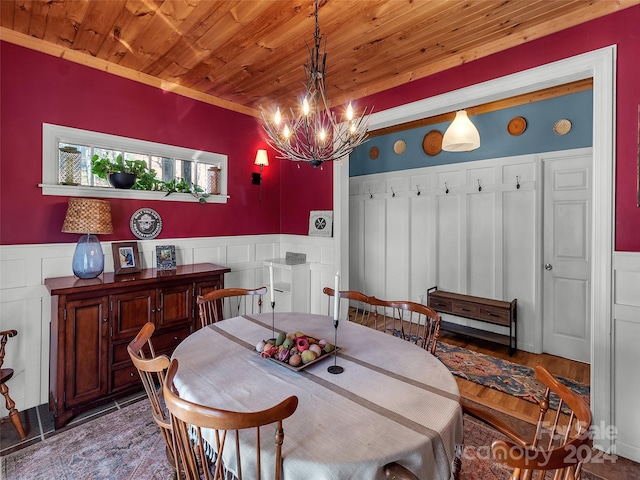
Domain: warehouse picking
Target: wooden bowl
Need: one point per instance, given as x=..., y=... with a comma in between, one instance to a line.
x=517, y=126
x=432, y=143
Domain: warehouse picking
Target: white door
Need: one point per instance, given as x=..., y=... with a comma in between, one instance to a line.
x=567, y=257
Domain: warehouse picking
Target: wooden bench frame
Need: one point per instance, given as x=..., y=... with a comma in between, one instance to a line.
x=496, y=312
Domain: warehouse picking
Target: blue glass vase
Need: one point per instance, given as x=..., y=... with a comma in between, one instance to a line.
x=88, y=259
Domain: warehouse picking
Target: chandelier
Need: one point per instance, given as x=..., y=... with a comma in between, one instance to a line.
x=314, y=134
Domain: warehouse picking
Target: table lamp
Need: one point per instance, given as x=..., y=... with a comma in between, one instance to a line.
x=88, y=216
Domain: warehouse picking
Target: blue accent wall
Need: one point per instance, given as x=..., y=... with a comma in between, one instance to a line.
x=495, y=140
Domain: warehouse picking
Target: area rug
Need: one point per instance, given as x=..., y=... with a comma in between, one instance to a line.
x=501, y=375
x=127, y=445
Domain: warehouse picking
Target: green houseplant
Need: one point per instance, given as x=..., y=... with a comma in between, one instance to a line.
x=120, y=173
x=140, y=177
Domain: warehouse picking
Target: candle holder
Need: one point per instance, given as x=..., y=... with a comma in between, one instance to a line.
x=335, y=368
x=273, y=319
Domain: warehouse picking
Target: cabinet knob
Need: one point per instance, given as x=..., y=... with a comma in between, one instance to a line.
x=153, y=310
x=548, y=266
x=175, y=338
x=105, y=320
x=131, y=374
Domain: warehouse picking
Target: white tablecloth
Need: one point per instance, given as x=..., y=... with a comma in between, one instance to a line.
x=393, y=402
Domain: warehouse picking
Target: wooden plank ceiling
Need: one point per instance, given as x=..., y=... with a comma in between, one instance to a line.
x=248, y=54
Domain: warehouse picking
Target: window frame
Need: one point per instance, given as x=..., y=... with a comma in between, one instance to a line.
x=53, y=135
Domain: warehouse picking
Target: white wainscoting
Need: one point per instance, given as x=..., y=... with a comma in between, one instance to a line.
x=626, y=354
x=25, y=303
x=468, y=228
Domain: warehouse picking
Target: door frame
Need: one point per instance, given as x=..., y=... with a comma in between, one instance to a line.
x=597, y=64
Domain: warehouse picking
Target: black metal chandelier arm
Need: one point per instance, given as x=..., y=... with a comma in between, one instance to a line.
x=317, y=136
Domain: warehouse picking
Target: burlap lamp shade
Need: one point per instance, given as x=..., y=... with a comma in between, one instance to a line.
x=88, y=216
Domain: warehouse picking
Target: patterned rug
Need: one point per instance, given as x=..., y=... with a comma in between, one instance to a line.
x=501, y=375
x=127, y=445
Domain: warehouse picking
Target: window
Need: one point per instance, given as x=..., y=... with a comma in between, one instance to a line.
x=168, y=162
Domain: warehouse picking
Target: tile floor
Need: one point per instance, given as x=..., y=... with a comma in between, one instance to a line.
x=38, y=423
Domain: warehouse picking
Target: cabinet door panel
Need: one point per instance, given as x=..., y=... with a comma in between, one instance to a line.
x=174, y=306
x=86, y=348
x=131, y=311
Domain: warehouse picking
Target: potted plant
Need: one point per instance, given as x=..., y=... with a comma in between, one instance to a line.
x=120, y=173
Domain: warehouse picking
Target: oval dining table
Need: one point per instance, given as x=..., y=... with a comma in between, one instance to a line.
x=394, y=401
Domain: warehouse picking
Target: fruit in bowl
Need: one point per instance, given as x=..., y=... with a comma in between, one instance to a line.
x=295, y=349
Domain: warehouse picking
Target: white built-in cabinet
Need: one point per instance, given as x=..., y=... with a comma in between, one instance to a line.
x=467, y=228
x=290, y=285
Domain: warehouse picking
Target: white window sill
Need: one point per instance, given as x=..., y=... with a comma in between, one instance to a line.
x=108, y=192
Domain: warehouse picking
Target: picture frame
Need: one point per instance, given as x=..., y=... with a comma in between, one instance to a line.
x=126, y=258
x=321, y=223
x=166, y=257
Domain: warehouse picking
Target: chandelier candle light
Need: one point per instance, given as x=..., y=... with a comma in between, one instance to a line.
x=314, y=134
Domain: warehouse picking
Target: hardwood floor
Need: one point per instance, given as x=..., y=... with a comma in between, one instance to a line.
x=488, y=397
x=505, y=403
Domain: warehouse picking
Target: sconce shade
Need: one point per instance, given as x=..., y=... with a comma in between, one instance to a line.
x=462, y=135
x=88, y=216
x=261, y=158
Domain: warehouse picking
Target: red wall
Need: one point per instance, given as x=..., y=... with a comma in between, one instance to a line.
x=623, y=29
x=68, y=94
x=38, y=88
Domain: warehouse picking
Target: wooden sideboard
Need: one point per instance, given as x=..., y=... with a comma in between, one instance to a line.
x=486, y=310
x=93, y=321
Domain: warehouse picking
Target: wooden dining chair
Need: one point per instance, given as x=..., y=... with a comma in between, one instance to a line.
x=5, y=375
x=229, y=302
x=411, y=321
x=152, y=370
x=359, y=310
x=559, y=440
x=193, y=457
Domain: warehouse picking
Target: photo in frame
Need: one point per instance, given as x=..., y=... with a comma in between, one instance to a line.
x=126, y=258
x=166, y=257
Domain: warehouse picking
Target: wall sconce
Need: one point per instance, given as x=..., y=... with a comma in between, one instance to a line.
x=256, y=178
x=462, y=135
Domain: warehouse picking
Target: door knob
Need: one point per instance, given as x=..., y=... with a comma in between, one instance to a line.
x=548, y=266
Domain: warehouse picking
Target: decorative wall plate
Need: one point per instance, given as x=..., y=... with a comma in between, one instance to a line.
x=562, y=127
x=432, y=143
x=517, y=126
x=399, y=147
x=374, y=152
x=145, y=223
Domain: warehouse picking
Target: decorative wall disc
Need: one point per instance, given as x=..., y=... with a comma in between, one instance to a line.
x=517, y=126
x=374, y=152
x=145, y=223
x=562, y=127
x=399, y=147
x=432, y=143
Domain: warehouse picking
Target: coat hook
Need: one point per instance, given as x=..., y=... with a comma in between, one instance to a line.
x=370, y=194
x=393, y=194
x=518, y=181
x=418, y=189
x=479, y=186
x=446, y=188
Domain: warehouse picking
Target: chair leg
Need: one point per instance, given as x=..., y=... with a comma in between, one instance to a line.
x=14, y=415
x=457, y=462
